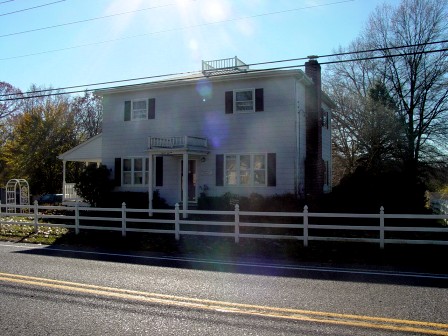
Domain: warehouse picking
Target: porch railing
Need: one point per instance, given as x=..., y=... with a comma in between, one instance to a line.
x=70, y=193
x=182, y=142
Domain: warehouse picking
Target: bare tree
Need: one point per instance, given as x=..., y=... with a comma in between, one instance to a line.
x=412, y=69
x=416, y=75
x=366, y=130
x=88, y=114
x=8, y=104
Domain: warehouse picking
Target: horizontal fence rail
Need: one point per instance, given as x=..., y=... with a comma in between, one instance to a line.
x=302, y=226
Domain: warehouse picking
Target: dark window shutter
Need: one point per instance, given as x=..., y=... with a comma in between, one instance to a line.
x=151, y=108
x=159, y=171
x=259, y=100
x=272, y=170
x=117, y=174
x=229, y=102
x=127, y=110
x=219, y=170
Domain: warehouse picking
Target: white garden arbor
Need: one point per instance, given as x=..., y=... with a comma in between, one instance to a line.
x=17, y=190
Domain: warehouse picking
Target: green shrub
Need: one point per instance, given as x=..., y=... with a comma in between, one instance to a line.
x=134, y=200
x=93, y=184
x=255, y=202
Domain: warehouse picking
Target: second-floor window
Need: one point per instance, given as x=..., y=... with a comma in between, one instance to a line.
x=244, y=101
x=139, y=109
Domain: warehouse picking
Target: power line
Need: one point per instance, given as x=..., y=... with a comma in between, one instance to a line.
x=196, y=72
x=176, y=29
x=385, y=56
x=86, y=20
x=252, y=64
x=382, y=49
x=30, y=8
x=5, y=1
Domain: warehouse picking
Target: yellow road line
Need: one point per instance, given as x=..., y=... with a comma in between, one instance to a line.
x=238, y=308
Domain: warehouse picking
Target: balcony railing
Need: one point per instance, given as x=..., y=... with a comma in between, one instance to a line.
x=185, y=142
x=223, y=66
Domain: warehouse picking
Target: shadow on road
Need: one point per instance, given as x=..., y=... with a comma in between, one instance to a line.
x=356, y=262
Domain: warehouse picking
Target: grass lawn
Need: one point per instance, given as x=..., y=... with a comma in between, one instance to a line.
x=25, y=233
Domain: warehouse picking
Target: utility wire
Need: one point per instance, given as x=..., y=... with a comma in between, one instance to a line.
x=21, y=97
x=386, y=56
x=176, y=29
x=27, y=9
x=1, y=3
x=382, y=49
x=251, y=64
x=86, y=20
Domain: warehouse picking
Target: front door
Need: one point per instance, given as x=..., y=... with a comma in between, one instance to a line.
x=192, y=180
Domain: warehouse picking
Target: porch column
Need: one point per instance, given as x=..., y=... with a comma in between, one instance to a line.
x=150, y=186
x=63, y=179
x=185, y=184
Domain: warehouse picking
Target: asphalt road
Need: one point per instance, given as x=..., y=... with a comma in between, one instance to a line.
x=49, y=291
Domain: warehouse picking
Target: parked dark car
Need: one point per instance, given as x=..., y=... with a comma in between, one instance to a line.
x=52, y=199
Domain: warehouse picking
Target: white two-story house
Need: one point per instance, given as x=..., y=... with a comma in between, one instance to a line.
x=226, y=129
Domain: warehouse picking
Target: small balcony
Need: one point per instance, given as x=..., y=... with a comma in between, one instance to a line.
x=178, y=143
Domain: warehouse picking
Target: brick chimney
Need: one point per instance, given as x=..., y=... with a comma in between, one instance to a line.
x=314, y=164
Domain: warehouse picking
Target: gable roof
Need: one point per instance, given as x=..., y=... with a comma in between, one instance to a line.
x=195, y=77
x=89, y=150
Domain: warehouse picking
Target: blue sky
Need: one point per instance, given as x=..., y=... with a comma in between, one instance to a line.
x=164, y=36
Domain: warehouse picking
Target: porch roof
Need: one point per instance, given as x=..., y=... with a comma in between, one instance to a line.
x=90, y=150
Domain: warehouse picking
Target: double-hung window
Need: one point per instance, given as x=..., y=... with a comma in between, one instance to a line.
x=244, y=100
x=135, y=171
x=245, y=169
x=139, y=109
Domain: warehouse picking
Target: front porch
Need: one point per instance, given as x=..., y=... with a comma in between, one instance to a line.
x=188, y=149
x=88, y=152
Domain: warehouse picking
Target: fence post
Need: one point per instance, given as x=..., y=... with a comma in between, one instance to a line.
x=123, y=219
x=36, y=217
x=382, y=227
x=237, y=223
x=305, y=226
x=176, y=222
x=77, y=218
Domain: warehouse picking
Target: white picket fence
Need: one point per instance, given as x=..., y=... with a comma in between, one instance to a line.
x=380, y=228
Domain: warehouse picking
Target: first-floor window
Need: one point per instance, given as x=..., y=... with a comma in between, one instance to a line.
x=245, y=169
x=134, y=171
